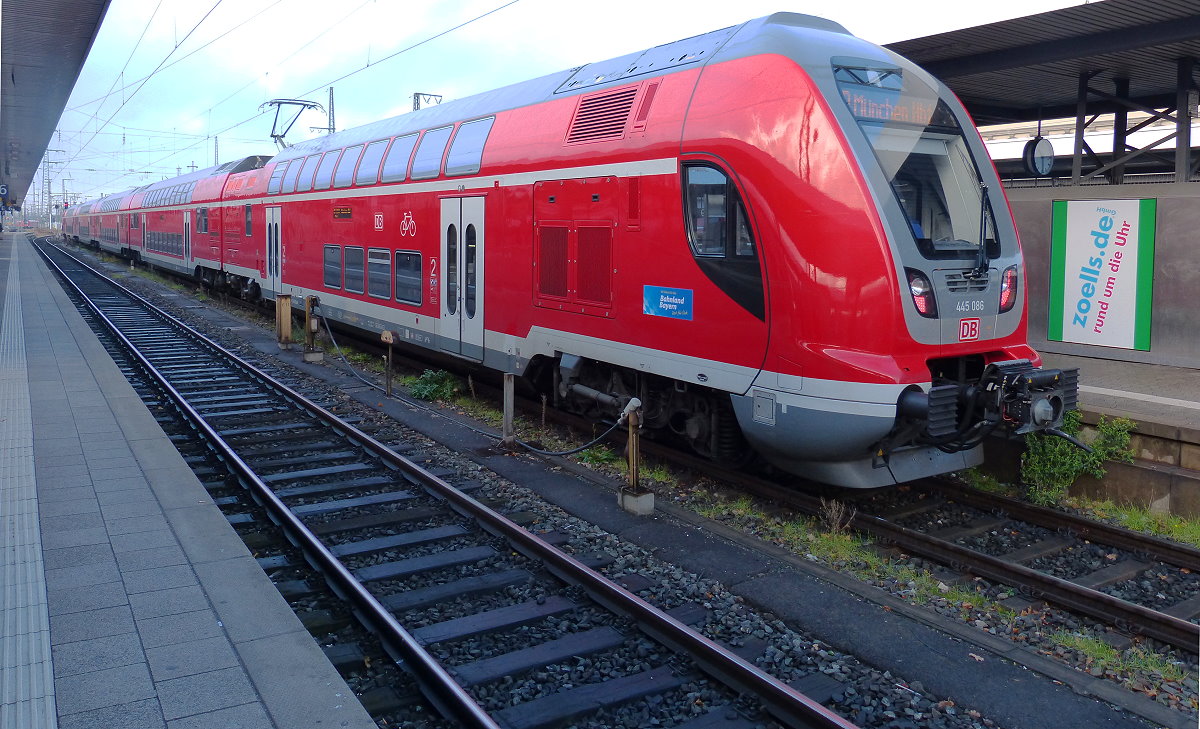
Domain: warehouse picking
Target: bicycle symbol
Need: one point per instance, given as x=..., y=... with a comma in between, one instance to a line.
x=408, y=226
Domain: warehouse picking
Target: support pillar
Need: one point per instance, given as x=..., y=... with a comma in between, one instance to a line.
x=1120, y=129
x=1080, y=127
x=1184, y=95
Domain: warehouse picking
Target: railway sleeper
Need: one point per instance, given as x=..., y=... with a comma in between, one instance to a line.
x=564, y=705
x=427, y=563
x=491, y=621
x=544, y=654
x=326, y=507
x=475, y=585
x=322, y=471
x=335, y=487
x=407, y=539
x=383, y=519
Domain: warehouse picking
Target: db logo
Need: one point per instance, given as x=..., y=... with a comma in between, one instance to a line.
x=968, y=330
x=378, y=221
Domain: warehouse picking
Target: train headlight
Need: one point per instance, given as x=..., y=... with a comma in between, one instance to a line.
x=1008, y=289
x=922, y=293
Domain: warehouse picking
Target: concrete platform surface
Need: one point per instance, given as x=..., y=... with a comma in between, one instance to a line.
x=128, y=600
x=1148, y=393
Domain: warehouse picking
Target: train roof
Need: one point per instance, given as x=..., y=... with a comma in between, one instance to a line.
x=694, y=51
x=110, y=203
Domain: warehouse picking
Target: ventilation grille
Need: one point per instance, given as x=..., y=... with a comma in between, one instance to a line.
x=958, y=283
x=552, y=261
x=595, y=265
x=602, y=116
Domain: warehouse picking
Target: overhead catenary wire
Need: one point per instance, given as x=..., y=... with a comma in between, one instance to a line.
x=113, y=182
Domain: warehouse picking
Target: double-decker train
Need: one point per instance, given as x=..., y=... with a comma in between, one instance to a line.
x=781, y=238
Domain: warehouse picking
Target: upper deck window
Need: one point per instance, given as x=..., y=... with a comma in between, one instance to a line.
x=276, y=178
x=293, y=173
x=344, y=174
x=466, y=151
x=304, y=182
x=325, y=171
x=368, y=168
x=923, y=154
x=427, y=162
x=396, y=165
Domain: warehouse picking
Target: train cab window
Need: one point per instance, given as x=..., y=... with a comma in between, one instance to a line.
x=396, y=164
x=355, y=269
x=249, y=220
x=427, y=162
x=379, y=273
x=305, y=181
x=276, y=178
x=333, y=267
x=368, y=168
x=409, y=283
x=293, y=173
x=466, y=151
x=325, y=170
x=717, y=224
x=343, y=175
x=720, y=236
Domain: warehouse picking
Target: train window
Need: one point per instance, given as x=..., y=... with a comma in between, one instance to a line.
x=343, y=175
x=304, y=182
x=249, y=220
x=202, y=220
x=466, y=151
x=717, y=223
x=355, y=269
x=396, y=164
x=427, y=162
x=276, y=178
x=325, y=171
x=289, y=182
x=409, y=283
x=720, y=236
x=333, y=267
x=469, y=271
x=451, y=269
x=379, y=273
x=368, y=168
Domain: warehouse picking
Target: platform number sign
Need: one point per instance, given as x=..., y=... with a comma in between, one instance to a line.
x=968, y=330
x=3, y=190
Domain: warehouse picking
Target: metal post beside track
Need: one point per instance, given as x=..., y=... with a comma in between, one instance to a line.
x=311, y=353
x=509, y=439
x=389, y=338
x=632, y=497
x=283, y=320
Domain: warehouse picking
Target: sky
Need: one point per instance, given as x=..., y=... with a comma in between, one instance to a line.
x=172, y=84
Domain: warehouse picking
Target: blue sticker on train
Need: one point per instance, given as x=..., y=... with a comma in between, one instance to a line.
x=673, y=303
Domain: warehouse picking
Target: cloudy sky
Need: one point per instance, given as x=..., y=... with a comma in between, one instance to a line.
x=166, y=77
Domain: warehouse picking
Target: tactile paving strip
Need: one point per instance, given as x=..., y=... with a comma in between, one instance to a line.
x=27, y=675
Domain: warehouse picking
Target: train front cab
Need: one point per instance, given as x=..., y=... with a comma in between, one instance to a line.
x=897, y=309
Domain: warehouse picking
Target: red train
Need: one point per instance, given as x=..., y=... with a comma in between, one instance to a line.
x=774, y=234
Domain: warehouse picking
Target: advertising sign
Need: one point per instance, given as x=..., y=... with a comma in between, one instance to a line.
x=1102, y=272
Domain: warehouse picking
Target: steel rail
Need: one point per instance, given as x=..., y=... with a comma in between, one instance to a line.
x=1155, y=548
x=440, y=688
x=785, y=703
x=1123, y=614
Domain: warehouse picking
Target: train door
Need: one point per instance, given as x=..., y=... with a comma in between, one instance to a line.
x=274, y=250
x=187, y=239
x=142, y=233
x=462, y=235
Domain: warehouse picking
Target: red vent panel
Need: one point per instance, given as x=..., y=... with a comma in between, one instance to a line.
x=552, y=261
x=595, y=265
x=602, y=116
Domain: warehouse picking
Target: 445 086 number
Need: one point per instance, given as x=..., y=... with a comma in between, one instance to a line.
x=968, y=306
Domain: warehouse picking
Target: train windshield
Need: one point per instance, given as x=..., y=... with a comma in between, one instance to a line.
x=924, y=156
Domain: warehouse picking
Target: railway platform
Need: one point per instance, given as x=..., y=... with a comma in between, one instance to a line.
x=1164, y=403
x=128, y=600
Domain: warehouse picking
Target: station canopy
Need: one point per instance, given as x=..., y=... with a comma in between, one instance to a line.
x=43, y=46
x=1029, y=68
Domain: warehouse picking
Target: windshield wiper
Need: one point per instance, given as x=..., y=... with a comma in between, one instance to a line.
x=981, y=260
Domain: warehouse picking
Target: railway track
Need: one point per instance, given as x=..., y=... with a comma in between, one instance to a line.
x=1127, y=556
x=425, y=566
